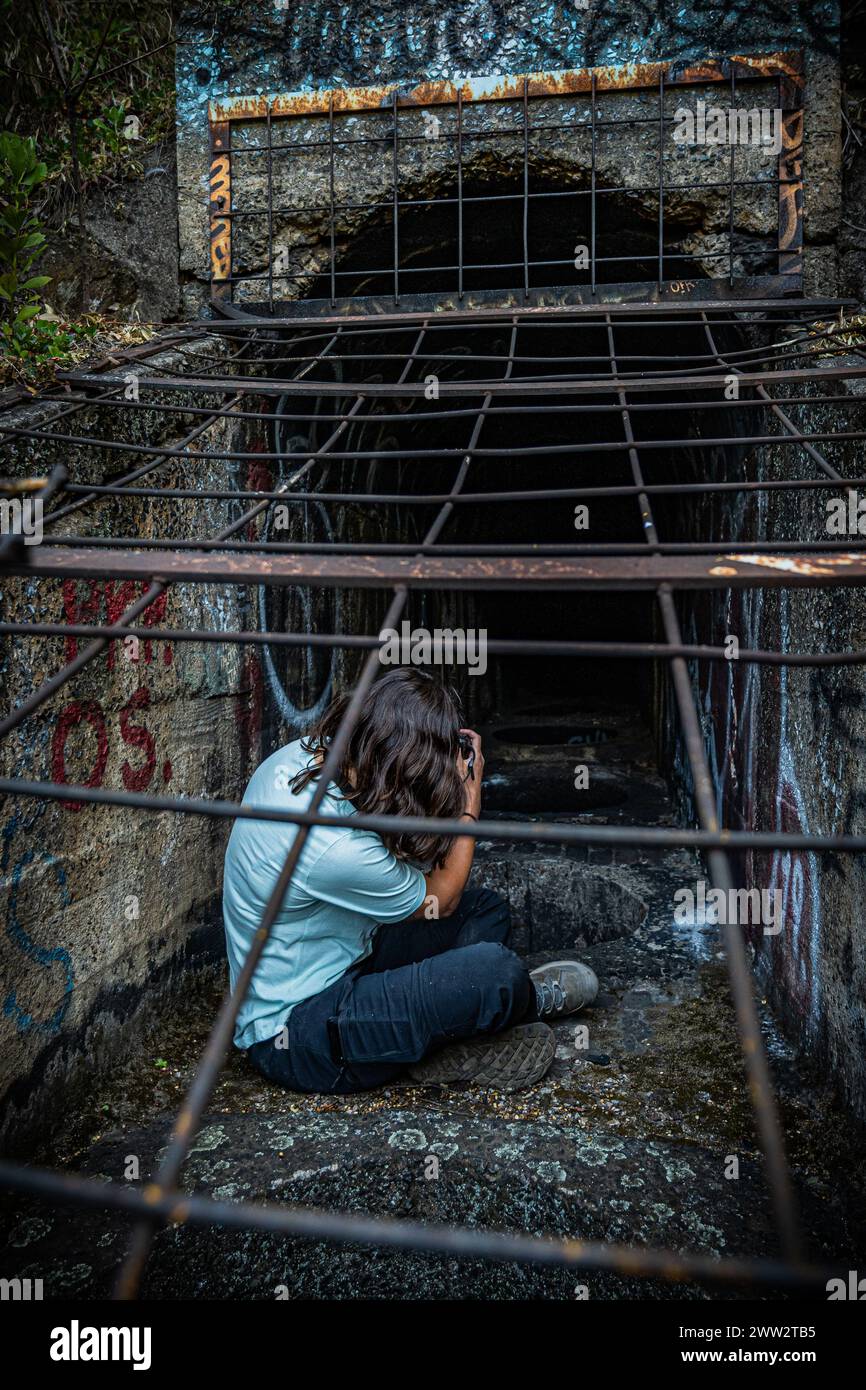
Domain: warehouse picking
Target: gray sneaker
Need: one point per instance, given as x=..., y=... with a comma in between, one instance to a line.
x=508, y=1061
x=562, y=987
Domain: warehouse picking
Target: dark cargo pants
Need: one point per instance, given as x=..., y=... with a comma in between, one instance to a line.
x=425, y=984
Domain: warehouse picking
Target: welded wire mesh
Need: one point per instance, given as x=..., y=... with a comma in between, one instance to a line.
x=746, y=379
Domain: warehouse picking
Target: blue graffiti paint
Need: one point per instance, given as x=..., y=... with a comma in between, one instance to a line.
x=271, y=48
x=43, y=956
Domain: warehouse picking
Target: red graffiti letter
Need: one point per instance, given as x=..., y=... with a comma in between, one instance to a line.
x=70, y=718
x=137, y=736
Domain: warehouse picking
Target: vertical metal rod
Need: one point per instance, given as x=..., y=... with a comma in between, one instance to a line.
x=526, y=187
x=222, y=285
x=459, y=193
x=435, y=533
x=207, y=1073
x=592, y=200
x=331, y=183
x=661, y=274
x=196, y=1098
x=782, y=173
x=742, y=988
x=396, y=206
x=742, y=991
x=731, y=188
x=270, y=212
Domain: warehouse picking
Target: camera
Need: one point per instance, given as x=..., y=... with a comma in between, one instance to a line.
x=467, y=750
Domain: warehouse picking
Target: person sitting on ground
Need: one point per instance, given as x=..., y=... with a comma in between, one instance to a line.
x=381, y=964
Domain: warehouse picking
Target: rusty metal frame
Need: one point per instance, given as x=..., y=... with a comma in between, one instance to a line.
x=770, y=376
x=786, y=67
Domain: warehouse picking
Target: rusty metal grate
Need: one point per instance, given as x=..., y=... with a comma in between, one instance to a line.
x=375, y=371
x=256, y=140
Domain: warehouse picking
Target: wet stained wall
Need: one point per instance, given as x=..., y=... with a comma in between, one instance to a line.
x=785, y=747
x=103, y=906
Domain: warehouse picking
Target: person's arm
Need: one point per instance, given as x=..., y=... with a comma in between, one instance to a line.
x=446, y=885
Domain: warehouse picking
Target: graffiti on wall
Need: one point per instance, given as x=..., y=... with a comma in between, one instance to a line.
x=323, y=42
x=757, y=766
x=48, y=960
x=284, y=47
x=96, y=601
x=82, y=737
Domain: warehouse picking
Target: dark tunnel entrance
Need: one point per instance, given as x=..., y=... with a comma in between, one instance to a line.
x=562, y=454
x=544, y=445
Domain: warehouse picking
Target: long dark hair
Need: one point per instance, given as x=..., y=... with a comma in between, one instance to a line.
x=401, y=758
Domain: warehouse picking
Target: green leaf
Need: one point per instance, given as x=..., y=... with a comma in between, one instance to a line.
x=36, y=282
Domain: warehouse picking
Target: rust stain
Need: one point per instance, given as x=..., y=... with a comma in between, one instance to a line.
x=564, y=82
x=220, y=203
x=801, y=564
x=786, y=66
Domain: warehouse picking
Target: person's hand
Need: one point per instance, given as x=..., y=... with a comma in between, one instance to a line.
x=472, y=785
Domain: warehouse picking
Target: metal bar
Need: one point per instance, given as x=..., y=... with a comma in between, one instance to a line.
x=220, y=203
x=661, y=189
x=239, y=214
x=396, y=210
x=792, y=436
x=593, y=199
x=310, y=1223
x=650, y=837
x=460, y=196
x=742, y=989
x=731, y=188
x=333, y=257
x=799, y=349
x=385, y=417
x=534, y=386
x=641, y=651
x=561, y=83
x=165, y=1179
x=638, y=308
x=467, y=498
x=270, y=215
x=724, y=570
x=525, y=188
x=754, y=1056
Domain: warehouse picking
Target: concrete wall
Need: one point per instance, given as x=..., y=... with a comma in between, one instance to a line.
x=267, y=49
x=101, y=907
x=785, y=747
